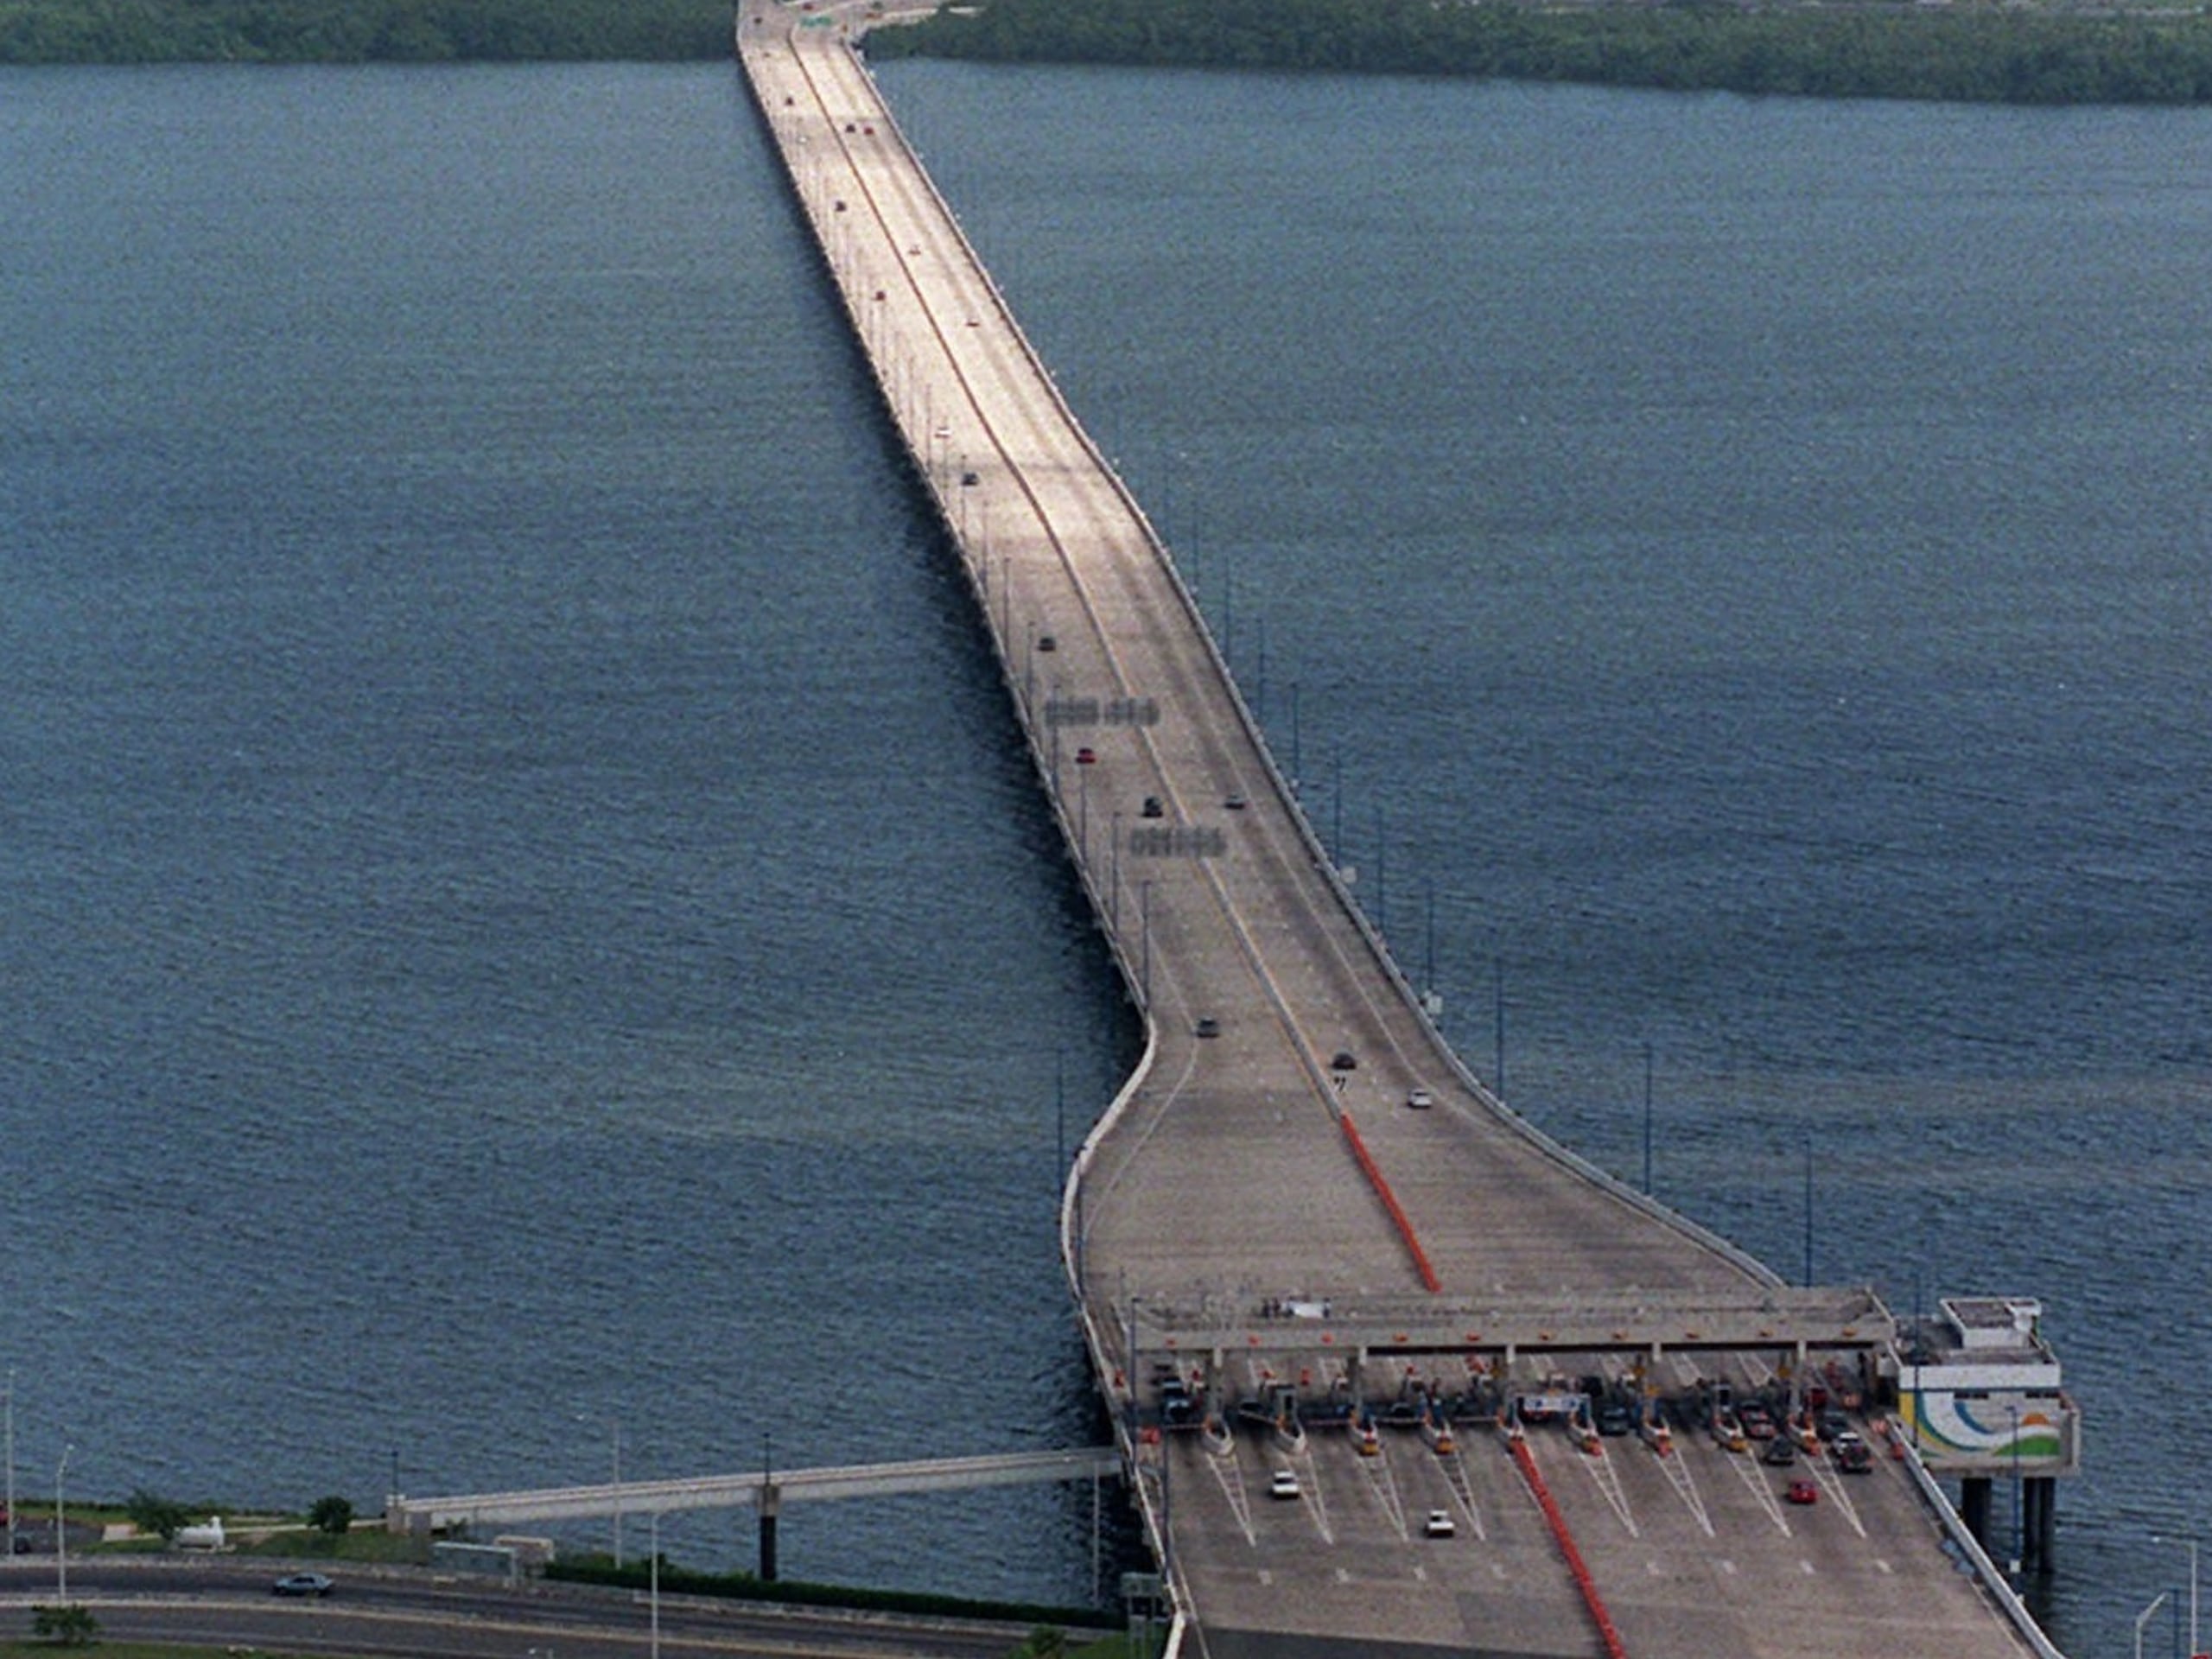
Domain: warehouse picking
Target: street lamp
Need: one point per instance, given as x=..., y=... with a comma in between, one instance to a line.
x=1647, y=1119
x=654, y=1547
x=2190, y=1545
x=9, y=1400
x=2144, y=1618
x=618, y=1494
x=2195, y=1647
x=1144, y=908
x=1114, y=904
x=2014, y=1411
x=60, y=1533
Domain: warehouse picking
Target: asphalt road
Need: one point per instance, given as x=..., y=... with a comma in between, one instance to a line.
x=220, y=1602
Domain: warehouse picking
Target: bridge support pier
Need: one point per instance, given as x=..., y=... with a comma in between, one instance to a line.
x=772, y=1501
x=1974, y=1507
x=2039, y=1523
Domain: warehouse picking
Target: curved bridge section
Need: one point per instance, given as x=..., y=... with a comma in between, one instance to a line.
x=1303, y=1217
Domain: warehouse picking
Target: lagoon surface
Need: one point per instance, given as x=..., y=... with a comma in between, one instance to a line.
x=524, y=919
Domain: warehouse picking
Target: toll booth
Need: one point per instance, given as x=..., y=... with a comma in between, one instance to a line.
x=1979, y=1399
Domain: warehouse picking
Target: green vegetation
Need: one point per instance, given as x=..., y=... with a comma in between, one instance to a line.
x=745, y=1586
x=332, y=1515
x=1962, y=52
x=1972, y=50
x=353, y=31
x=72, y=1626
x=162, y=1517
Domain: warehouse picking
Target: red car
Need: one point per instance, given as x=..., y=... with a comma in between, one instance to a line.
x=1803, y=1491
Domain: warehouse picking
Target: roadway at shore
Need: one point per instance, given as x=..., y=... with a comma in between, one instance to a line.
x=224, y=1603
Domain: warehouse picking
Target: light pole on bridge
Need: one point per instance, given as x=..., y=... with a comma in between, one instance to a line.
x=1144, y=897
x=1113, y=901
x=2189, y=1544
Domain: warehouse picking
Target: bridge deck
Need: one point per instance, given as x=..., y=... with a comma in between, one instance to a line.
x=1225, y=1175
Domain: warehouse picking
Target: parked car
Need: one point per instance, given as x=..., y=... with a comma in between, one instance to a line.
x=1780, y=1452
x=1285, y=1483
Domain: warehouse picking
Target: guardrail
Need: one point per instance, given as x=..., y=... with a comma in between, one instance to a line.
x=1955, y=1527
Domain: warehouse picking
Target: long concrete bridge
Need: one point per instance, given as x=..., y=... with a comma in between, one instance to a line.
x=1303, y=1203
x=765, y=1490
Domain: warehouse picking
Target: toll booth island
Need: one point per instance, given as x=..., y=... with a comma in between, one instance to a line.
x=1980, y=1398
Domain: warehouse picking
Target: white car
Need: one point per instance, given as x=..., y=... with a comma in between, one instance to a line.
x=1439, y=1525
x=1285, y=1484
x=1419, y=1099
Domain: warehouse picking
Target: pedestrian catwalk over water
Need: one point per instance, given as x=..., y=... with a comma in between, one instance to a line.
x=1302, y=1202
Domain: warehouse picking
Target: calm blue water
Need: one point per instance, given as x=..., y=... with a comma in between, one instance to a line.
x=523, y=912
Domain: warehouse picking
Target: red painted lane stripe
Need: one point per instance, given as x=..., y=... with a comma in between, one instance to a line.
x=1583, y=1581
x=1390, y=1202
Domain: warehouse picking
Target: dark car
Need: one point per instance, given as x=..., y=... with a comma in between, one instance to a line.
x=1153, y=809
x=1613, y=1418
x=1208, y=1027
x=1342, y=1060
x=301, y=1584
x=1781, y=1452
